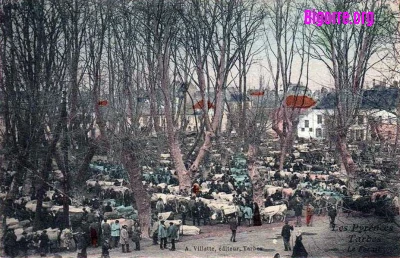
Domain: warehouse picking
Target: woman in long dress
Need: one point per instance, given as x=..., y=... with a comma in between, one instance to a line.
x=299, y=251
x=256, y=216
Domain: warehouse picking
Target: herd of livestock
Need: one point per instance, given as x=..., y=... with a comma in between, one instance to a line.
x=226, y=189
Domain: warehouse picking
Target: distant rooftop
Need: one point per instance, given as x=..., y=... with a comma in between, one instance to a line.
x=376, y=98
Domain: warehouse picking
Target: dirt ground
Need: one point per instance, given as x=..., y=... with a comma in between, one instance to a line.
x=353, y=237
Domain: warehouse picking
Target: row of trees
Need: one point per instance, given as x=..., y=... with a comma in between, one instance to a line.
x=60, y=58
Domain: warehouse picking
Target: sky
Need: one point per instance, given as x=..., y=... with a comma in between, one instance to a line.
x=319, y=75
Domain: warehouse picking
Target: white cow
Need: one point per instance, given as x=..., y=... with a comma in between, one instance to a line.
x=173, y=189
x=269, y=212
x=156, y=196
x=162, y=185
x=190, y=230
x=217, y=177
x=225, y=197
x=270, y=190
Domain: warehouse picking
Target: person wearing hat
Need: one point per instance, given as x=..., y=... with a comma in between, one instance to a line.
x=299, y=251
x=10, y=243
x=162, y=234
x=298, y=210
x=115, y=233
x=154, y=230
x=124, y=239
x=23, y=244
x=172, y=234
x=332, y=215
x=81, y=243
x=136, y=235
x=105, y=247
x=44, y=243
x=108, y=207
x=233, y=224
x=106, y=230
x=286, y=235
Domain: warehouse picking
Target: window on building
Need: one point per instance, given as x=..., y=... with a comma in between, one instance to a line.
x=302, y=129
x=311, y=129
x=318, y=132
x=306, y=123
x=359, y=135
x=319, y=119
x=360, y=120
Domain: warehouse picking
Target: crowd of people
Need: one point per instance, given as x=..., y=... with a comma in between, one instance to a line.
x=93, y=230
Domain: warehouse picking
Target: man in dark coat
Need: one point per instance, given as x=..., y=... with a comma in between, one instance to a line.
x=97, y=189
x=10, y=243
x=332, y=215
x=136, y=238
x=256, y=215
x=286, y=235
x=127, y=198
x=23, y=244
x=233, y=224
x=172, y=232
x=206, y=214
x=106, y=230
x=298, y=210
x=183, y=210
x=108, y=207
x=95, y=203
x=82, y=244
x=105, y=253
x=196, y=214
x=44, y=243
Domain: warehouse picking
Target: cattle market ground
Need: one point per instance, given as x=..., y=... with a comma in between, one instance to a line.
x=354, y=237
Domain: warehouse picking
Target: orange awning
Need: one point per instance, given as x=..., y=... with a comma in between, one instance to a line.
x=299, y=101
x=200, y=104
x=102, y=103
x=257, y=93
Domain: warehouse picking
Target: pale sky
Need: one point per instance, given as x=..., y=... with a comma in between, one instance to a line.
x=318, y=74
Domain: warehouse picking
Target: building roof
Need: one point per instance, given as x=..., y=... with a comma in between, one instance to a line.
x=376, y=98
x=380, y=98
x=327, y=102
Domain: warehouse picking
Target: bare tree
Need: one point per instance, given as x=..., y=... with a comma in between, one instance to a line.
x=286, y=41
x=33, y=72
x=347, y=51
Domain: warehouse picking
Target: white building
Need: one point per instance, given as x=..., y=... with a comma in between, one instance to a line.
x=312, y=124
x=378, y=107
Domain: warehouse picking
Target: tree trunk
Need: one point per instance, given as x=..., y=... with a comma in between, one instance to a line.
x=84, y=168
x=18, y=179
x=202, y=152
x=283, y=148
x=63, y=166
x=348, y=163
x=142, y=199
x=258, y=185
